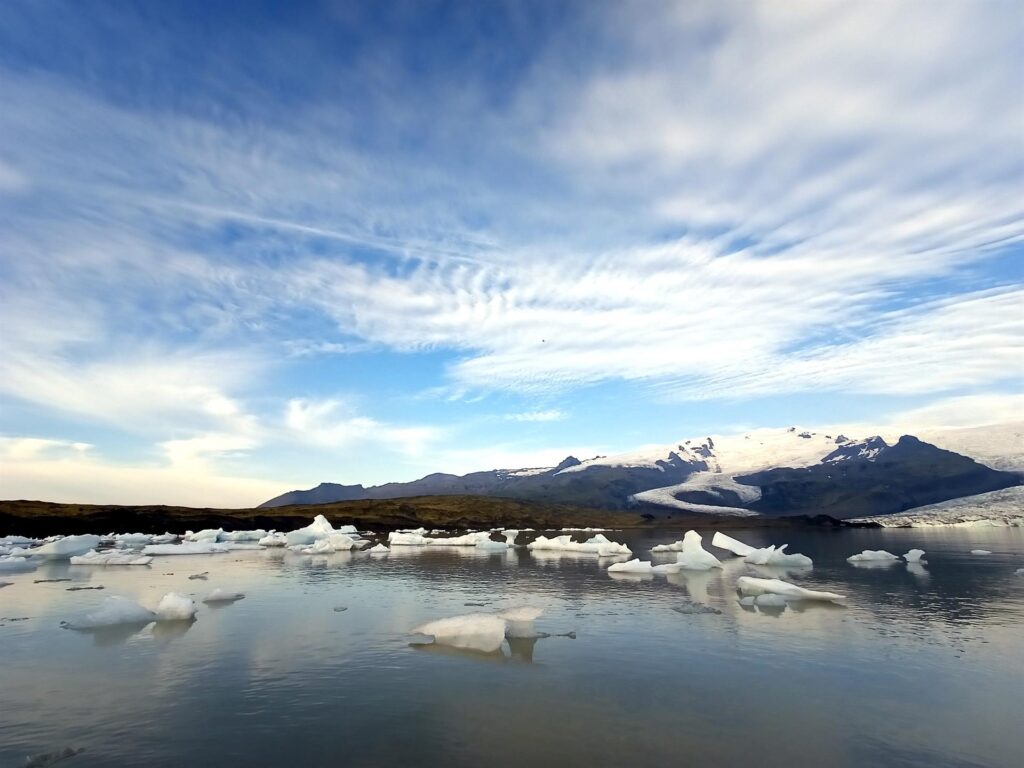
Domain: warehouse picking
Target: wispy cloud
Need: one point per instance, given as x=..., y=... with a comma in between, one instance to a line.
x=552, y=414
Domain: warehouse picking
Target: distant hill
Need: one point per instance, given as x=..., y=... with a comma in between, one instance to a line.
x=774, y=472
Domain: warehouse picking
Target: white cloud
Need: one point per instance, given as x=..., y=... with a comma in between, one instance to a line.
x=533, y=416
x=330, y=423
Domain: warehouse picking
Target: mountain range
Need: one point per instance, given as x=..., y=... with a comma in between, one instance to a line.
x=775, y=472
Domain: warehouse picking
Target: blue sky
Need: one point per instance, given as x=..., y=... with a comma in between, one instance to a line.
x=246, y=247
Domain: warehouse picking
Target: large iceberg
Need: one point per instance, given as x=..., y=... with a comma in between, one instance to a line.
x=186, y=548
x=320, y=528
x=750, y=585
x=596, y=545
x=66, y=547
x=873, y=556
x=110, y=557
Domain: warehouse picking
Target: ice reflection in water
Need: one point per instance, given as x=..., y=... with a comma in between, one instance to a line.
x=927, y=659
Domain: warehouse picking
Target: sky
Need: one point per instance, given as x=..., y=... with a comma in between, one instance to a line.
x=247, y=247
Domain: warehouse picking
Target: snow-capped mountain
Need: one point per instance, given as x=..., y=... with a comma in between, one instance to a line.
x=762, y=472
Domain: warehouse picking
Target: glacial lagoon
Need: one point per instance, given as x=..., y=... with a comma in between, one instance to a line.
x=316, y=666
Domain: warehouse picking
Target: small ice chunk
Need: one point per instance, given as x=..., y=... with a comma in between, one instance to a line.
x=1019, y=572
x=722, y=541
x=770, y=600
x=914, y=556
x=66, y=547
x=475, y=631
x=379, y=549
x=186, y=548
x=510, y=536
x=111, y=612
x=666, y=568
x=274, y=539
x=749, y=600
x=631, y=566
x=491, y=545
x=133, y=539
x=750, y=585
x=596, y=545
x=219, y=595
x=873, y=556
x=519, y=620
x=981, y=552
x=92, y=557
x=694, y=557
x=176, y=607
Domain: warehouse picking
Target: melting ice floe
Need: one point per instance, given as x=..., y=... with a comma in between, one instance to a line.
x=981, y=552
x=632, y=566
x=481, y=631
x=770, y=556
x=873, y=556
x=480, y=540
x=749, y=585
x=110, y=557
x=120, y=610
x=596, y=545
x=914, y=556
x=187, y=548
x=68, y=546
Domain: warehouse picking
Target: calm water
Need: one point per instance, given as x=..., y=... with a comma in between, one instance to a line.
x=923, y=668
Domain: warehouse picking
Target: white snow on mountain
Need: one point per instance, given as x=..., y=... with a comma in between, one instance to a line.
x=1000, y=446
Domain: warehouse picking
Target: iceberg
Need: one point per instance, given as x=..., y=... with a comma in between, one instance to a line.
x=596, y=545
x=510, y=536
x=176, y=607
x=15, y=564
x=631, y=566
x=274, y=539
x=92, y=557
x=379, y=549
x=722, y=541
x=666, y=568
x=244, y=535
x=770, y=600
x=416, y=539
x=165, y=538
x=207, y=536
x=186, y=548
x=873, y=556
x=519, y=620
x=694, y=557
x=475, y=631
x=111, y=612
x=335, y=542
x=219, y=595
x=17, y=541
x=132, y=539
x=914, y=556
x=320, y=528
x=981, y=552
x=750, y=585
x=66, y=547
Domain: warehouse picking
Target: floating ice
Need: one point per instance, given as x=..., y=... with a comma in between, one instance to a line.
x=132, y=539
x=186, y=548
x=66, y=547
x=770, y=600
x=111, y=612
x=777, y=557
x=92, y=557
x=17, y=541
x=583, y=530
x=1019, y=572
x=722, y=541
x=519, y=620
x=320, y=528
x=244, y=535
x=750, y=585
x=666, y=568
x=416, y=539
x=631, y=566
x=694, y=557
x=596, y=545
x=207, y=536
x=242, y=546
x=379, y=549
x=981, y=552
x=873, y=556
x=749, y=600
x=510, y=536
x=914, y=556
x=335, y=542
x=165, y=538
x=274, y=539
x=15, y=564
x=175, y=607
x=475, y=631
x=219, y=595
